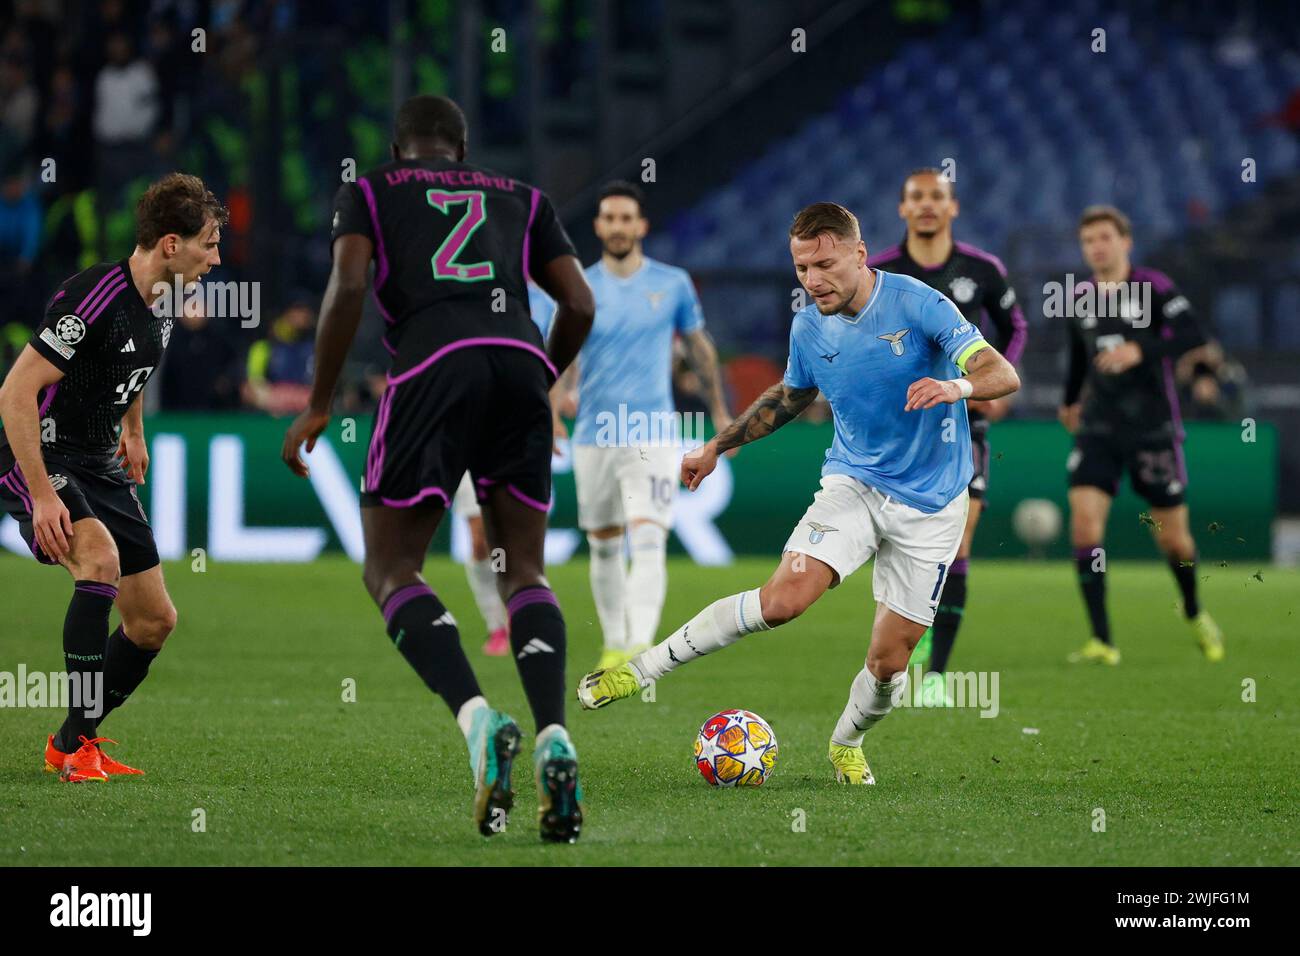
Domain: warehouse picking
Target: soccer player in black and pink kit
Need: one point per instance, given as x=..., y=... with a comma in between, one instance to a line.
x=73, y=450
x=976, y=282
x=1121, y=405
x=453, y=246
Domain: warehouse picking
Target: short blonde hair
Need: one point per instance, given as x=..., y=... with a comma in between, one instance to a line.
x=823, y=217
x=1103, y=213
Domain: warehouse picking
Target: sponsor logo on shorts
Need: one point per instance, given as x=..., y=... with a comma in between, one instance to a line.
x=818, y=532
x=895, y=340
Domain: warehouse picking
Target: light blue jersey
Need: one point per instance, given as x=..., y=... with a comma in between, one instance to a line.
x=542, y=307
x=864, y=366
x=627, y=358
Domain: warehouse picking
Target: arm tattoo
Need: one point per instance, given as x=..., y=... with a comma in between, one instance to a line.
x=775, y=407
x=978, y=359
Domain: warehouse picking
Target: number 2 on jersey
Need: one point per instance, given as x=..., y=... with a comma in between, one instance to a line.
x=445, y=265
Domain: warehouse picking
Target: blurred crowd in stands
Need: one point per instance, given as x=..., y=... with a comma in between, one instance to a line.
x=99, y=98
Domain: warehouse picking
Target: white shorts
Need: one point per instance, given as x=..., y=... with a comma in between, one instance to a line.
x=619, y=485
x=465, y=502
x=849, y=523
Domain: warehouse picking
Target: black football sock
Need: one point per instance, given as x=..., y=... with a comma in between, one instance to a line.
x=425, y=633
x=125, y=667
x=1185, y=575
x=952, y=604
x=85, y=629
x=538, y=641
x=1093, y=585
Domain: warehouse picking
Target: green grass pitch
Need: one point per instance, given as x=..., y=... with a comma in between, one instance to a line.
x=243, y=718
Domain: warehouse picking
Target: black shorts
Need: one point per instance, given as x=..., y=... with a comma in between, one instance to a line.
x=979, y=449
x=87, y=494
x=481, y=409
x=1155, y=468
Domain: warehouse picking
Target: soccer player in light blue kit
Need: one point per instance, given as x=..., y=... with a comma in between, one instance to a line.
x=478, y=569
x=896, y=361
x=627, y=444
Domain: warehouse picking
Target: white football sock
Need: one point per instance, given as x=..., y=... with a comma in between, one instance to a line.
x=721, y=623
x=647, y=582
x=483, y=582
x=609, y=589
x=465, y=716
x=869, y=701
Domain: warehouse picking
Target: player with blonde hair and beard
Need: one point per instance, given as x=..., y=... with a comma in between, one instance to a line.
x=891, y=355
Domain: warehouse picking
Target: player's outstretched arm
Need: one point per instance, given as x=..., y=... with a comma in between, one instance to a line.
x=20, y=413
x=575, y=309
x=988, y=375
x=777, y=406
x=340, y=315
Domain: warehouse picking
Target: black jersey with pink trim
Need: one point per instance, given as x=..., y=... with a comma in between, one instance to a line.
x=1142, y=402
x=976, y=282
x=99, y=333
x=454, y=246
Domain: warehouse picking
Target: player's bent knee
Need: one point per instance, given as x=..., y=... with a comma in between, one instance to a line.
x=781, y=604
x=151, y=631
x=99, y=563
x=885, y=662
x=382, y=580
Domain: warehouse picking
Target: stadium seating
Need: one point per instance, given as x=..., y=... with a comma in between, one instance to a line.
x=1038, y=125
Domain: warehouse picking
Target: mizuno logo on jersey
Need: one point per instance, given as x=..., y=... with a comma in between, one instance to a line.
x=830, y=357
x=130, y=346
x=895, y=340
x=535, y=646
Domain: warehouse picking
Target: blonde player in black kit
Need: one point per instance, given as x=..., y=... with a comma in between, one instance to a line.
x=73, y=450
x=1121, y=405
x=453, y=247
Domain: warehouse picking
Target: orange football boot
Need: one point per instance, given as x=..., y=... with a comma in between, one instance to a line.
x=54, y=758
x=82, y=766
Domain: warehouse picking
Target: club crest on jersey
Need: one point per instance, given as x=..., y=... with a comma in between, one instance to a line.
x=58, y=482
x=70, y=330
x=655, y=298
x=963, y=289
x=166, y=332
x=818, y=532
x=895, y=340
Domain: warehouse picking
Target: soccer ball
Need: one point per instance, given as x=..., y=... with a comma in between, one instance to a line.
x=1036, y=521
x=735, y=748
